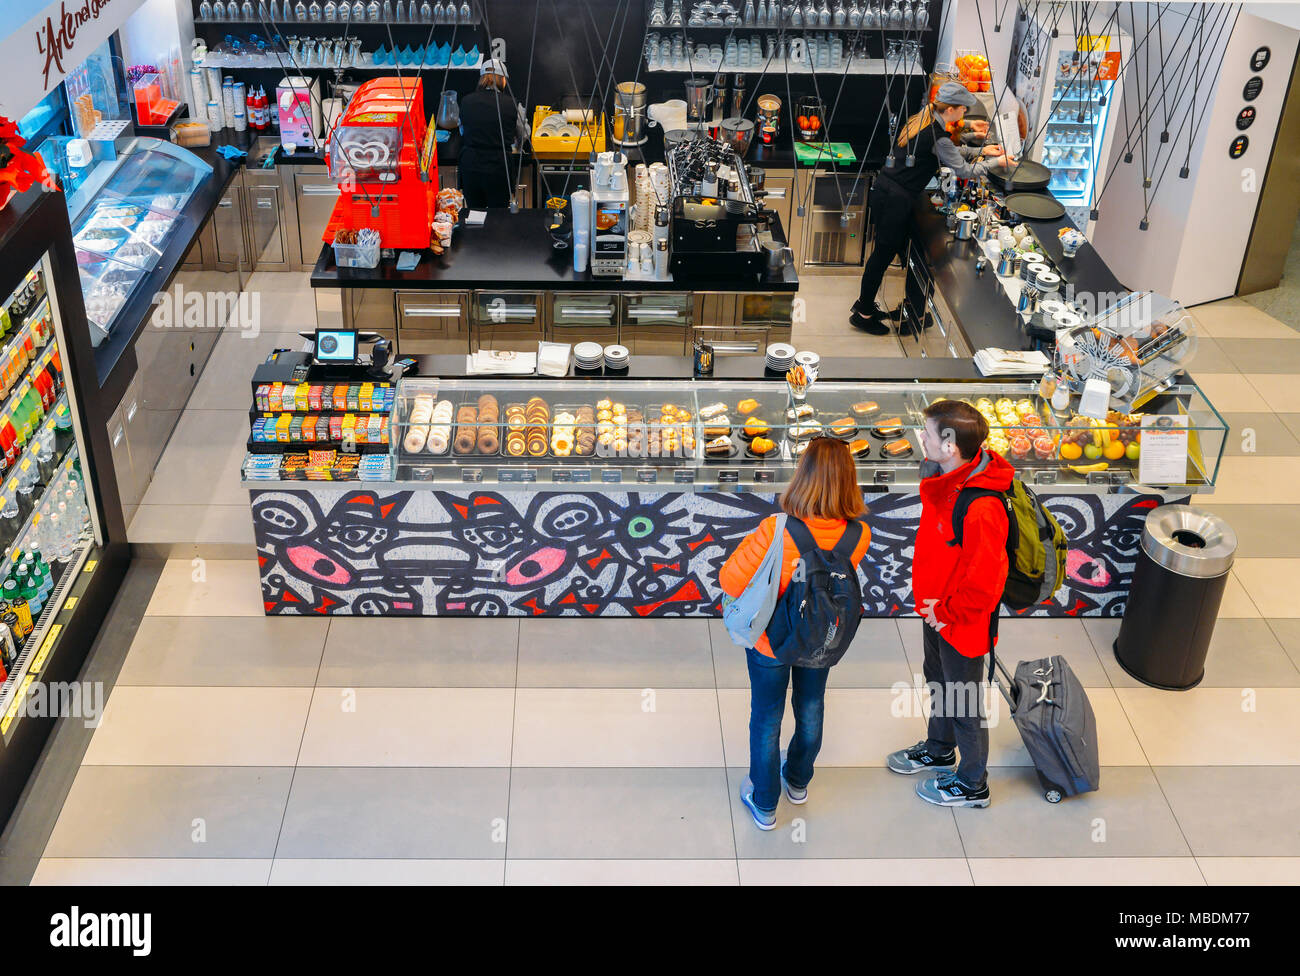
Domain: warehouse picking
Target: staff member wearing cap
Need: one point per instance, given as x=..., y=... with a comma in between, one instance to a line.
x=490, y=120
x=898, y=188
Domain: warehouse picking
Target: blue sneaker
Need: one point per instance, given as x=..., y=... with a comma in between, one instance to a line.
x=763, y=819
x=918, y=759
x=795, y=794
x=946, y=790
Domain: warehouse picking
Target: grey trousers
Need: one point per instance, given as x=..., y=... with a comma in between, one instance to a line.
x=957, y=714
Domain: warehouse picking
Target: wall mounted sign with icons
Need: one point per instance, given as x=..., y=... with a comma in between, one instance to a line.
x=1238, y=147
x=1253, y=88
x=1259, y=60
x=1245, y=118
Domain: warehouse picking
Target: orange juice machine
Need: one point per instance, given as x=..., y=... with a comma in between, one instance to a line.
x=384, y=156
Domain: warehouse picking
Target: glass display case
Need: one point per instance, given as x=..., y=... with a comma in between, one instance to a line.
x=123, y=215
x=611, y=431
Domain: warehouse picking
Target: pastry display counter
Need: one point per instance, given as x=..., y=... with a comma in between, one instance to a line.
x=623, y=497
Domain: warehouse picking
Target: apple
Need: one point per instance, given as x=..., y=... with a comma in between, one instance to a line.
x=1092, y=452
x=1133, y=450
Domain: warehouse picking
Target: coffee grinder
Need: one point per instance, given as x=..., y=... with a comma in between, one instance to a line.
x=609, y=214
x=629, y=114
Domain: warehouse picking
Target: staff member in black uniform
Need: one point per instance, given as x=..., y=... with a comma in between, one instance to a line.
x=490, y=120
x=898, y=188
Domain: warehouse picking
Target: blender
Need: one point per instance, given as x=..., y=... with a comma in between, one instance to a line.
x=629, y=114
x=699, y=93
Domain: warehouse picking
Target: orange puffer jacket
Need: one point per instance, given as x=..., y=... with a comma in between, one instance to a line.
x=740, y=568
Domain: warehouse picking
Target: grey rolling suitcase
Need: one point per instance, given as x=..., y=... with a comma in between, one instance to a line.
x=1056, y=722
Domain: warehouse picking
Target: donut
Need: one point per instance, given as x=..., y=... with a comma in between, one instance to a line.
x=464, y=441
x=437, y=443
x=488, y=443
x=415, y=439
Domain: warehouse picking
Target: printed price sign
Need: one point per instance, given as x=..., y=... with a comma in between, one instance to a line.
x=1163, y=460
x=1108, y=70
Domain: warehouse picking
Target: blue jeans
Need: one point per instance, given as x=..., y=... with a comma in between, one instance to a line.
x=767, y=683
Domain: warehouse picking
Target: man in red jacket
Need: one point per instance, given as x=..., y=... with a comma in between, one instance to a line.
x=957, y=590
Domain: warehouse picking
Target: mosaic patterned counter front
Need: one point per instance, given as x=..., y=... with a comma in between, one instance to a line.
x=334, y=549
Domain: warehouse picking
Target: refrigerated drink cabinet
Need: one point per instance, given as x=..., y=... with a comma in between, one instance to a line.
x=1067, y=88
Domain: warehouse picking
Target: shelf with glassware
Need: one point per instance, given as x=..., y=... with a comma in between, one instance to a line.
x=351, y=13
x=365, y=62
x=800, y=54
x=896, y=15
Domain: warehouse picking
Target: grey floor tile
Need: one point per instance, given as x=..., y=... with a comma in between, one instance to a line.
x=1292, y=423
x=1127, y=817
x=620, y=813
x=356, y=812
x=1261, y=355
x=1287, y=631
x=198, y=525
x=1235, y=811
x=875, y=659
x=161, y=811
x=203, y=461
x=851, y=813
x=442, y=652
x=229, y=651
x=566, y=652
x=229, y=369
x=1267, y=434
x=1211, y=357
x=1025, y=639
x=1244, y=653
x=202, y=871
x=1263, y=531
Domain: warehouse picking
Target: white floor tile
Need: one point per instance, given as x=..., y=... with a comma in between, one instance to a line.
x=409, y=727
x=1270, y=584
x=1250, y=870
x=385, y=871
x=1232, y=393
x=1094, y=871
x=208, y=588
x=617, y=727
x=917, y=871
x=621, y=872
x=1258, y=480
x=157, y=726
x=861, y=725
x=1278, y=391
x=1216, y=726
x=206, y=871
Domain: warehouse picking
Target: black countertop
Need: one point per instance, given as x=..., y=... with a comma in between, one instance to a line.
x=513, y=251
x=746, y=368
x=984, y=313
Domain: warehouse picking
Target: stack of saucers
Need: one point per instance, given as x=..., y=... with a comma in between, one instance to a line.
x=780, y=355
x=616, y=357
x=588, y=355
x=808, y=359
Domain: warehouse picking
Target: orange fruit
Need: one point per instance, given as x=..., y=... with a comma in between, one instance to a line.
x=1114, y=451
x=1071, y=451
x=802, y=121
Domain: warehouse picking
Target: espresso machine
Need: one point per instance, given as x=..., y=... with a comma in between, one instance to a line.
x=629, y=114
x=609, y=214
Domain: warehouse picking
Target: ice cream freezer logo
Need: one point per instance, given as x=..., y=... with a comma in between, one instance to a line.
x=332, y=551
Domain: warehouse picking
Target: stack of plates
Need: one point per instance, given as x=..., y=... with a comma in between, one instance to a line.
x=808, y=358
x=588, y=355
x=616, y=357
x=780, y=356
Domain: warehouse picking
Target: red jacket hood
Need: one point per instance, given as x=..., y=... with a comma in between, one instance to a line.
x=985, y=470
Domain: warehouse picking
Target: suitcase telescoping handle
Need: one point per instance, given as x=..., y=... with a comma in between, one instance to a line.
x=1008, y=688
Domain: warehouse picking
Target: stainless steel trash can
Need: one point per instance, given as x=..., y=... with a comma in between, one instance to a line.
x=1181, y=573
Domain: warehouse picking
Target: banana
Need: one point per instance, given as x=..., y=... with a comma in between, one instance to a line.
x=1088, y=468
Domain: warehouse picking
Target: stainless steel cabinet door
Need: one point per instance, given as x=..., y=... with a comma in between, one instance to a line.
x=432, y=322
x=314, y=196
x=228, y=224
x=584, y=317
x=265, y=215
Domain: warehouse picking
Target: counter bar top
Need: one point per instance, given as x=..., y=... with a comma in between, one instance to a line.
x=513, y=250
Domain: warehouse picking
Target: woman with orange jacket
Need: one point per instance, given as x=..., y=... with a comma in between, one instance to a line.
x=824, y=495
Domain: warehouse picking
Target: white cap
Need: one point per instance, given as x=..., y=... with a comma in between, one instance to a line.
x=494, y=66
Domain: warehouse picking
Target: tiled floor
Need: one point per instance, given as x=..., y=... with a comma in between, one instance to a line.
x=237, y=749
